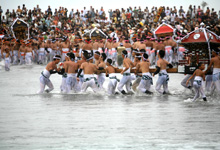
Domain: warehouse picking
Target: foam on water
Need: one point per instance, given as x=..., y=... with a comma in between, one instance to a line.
x=97, y=121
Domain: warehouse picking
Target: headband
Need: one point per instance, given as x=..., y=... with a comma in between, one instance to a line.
x=97, y=54
x=56, y=57
x=138, y=56
x=89, y=58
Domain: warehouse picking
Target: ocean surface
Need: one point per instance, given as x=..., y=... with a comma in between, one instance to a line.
x=89, y=121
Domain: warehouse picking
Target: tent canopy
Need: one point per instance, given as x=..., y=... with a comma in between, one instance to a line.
x=163, y=30
x=201, y=35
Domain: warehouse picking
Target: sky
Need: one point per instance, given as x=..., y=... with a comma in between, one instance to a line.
x=107, y=4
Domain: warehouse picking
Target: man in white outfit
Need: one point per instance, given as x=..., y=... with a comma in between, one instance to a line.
x=126, y=79
x=51, y=68
x=163, y=76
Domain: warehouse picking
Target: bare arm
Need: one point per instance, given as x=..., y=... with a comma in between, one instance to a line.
x=203, y=76
x=12, y=50
x=126, y=67
x=2, y=49
x=106, y=71
x=209, y=67
x=19, y=52
x=137, y=68
x=191, y=77
x=132, y=64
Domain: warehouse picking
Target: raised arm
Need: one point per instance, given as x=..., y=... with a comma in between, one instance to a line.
x=137, y=69
x=209, y=67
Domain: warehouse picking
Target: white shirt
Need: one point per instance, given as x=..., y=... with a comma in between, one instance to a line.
x=167, y=12
x=84, y=12
x=172, y=17
x=100, y=12
x=71, y=13
x=59, y=24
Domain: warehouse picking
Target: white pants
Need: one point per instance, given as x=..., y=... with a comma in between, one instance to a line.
x=216, y=80
x=43, y=82
x=50, y=55
x=79, y=84
x=15, y=57
x=28, y=58
x=146, y=82
x=169, y=56
x=41, y=57
x=162, y=80
x=183, y=83
x=152, y=57
x=136, y=83
x=126, y=80
x=89, y=82
x=7, y=64
x=180, y=55
x=148, y=53
x=63, y=84
x=63, y=56
x=197, y=84
x=22, y=60
x=129, y=54
x=71, y=83
x=101, y=80
x=114, y=56
x=209, y=85
x=112, y=84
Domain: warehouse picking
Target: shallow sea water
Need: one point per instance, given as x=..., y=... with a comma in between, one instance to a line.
x=89, y=121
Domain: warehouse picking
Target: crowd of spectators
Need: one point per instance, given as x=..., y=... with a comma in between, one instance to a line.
x=124, y=21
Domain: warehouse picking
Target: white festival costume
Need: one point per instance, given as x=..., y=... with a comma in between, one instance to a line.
x=112, y=83
x=169, y=54
x=129, y=52
x=71, y=82
x=183, y=82
x=197, y=84
x=146, y=82
x=148, y=51
x=41, y=55
x=7, y=63
x=15, y=57
x=90, y=81
x=126, y=80
x=162, y=80
x=181, y=53
x=152, y=56
x=28, y=58
x=100, y=50
x=101, y=80
x=64, y=51
x=216, y=79
x=22, y=56
x=114, y=54
x=51, y=54
x=44, y=80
